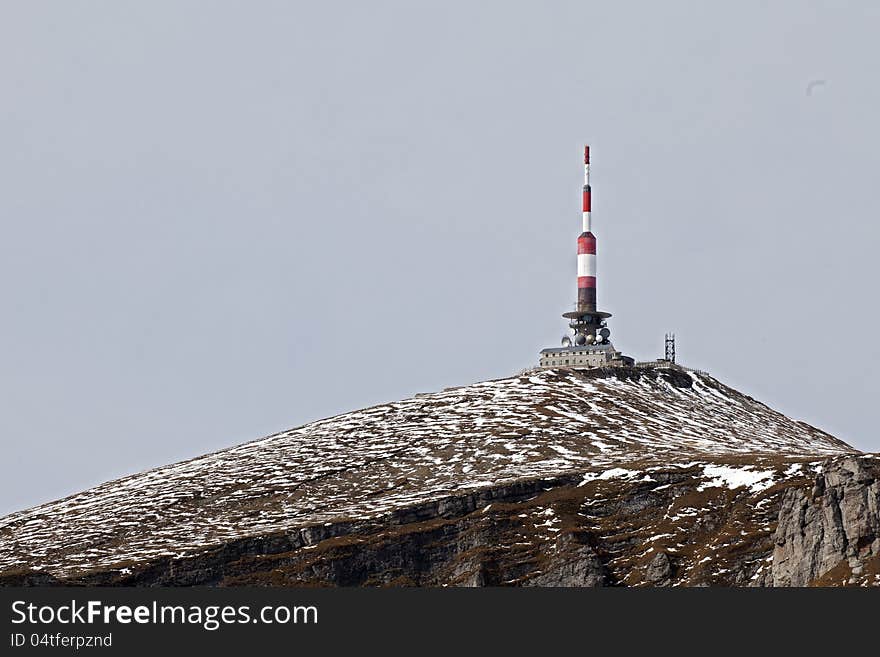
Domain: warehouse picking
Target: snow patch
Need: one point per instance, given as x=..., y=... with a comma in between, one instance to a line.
x=613, y=473
x=731, y=477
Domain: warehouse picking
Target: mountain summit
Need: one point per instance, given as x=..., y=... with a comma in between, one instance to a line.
x=619, y=476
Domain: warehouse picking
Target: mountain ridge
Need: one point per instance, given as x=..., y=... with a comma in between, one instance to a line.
x=312, y=499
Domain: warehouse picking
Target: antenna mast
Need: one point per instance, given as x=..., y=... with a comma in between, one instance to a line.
x=670, y=347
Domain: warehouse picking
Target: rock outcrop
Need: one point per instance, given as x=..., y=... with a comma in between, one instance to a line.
x=830, y=534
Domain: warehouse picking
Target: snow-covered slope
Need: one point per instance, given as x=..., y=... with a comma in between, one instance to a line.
x=597, y=424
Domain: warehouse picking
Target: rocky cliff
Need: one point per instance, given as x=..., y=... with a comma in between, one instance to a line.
x=625, y=476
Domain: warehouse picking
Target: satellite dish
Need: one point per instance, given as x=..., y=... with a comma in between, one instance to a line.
x=566, y=341
x=605, y=333
x=590, y=338
x=581, y=339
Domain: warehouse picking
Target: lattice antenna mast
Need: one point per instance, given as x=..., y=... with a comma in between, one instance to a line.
x=670, y=347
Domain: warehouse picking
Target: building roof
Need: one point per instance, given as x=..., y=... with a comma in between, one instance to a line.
x=589, y=348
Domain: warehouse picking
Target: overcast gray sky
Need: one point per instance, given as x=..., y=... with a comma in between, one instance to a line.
x=224, y=219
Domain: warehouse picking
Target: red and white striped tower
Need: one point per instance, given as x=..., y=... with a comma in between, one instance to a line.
x=586, y=244
x=587, y=323
x=589, y=344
